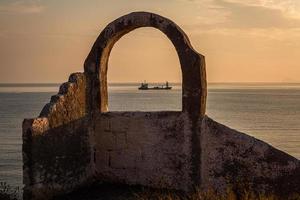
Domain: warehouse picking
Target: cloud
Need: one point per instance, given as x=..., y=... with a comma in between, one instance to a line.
x=246, y=14
x=289, y=8
x=274, y=34
x=252, y=16
x=202, y=13
x=21, y=7
x=269, y=20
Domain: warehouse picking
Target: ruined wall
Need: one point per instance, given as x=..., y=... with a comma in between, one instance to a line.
x=69, y=104
x=74, y=142
x=233, y=159
x=147, y=148
x=56, y=145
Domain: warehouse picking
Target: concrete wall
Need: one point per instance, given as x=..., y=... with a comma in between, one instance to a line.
x=148, y=148
x=56, y=145
x=74, y=142
x=231, y=159
x=151, y=149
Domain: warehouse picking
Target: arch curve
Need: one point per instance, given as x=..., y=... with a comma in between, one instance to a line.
x=192, y=63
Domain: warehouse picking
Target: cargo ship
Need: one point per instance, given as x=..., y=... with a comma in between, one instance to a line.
x=145, y=86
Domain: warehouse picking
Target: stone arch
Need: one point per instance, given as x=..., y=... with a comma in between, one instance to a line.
x=192, y=63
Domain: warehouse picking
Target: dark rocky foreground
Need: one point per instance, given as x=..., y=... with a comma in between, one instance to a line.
x=124, y=192
x=114, y=192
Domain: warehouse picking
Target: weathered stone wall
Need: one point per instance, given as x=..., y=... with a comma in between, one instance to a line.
x=233, y=159
x=74, y=142
x=69, y=104
x=148, y=148
x=56, y=146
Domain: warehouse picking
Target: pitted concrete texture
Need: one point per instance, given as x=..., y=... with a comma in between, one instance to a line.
x=158, y=155
x=69, y=104
x=56, y=146
x=231, y=158
x=56, y=159
x=76, y=142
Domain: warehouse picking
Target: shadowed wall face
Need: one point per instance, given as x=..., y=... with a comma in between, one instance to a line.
x=56, y=159
x=56, y=145
x=148, y=148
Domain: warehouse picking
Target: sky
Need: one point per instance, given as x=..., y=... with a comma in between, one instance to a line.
x=43, y=41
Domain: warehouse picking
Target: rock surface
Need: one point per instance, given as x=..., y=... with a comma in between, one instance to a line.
x=233, y=158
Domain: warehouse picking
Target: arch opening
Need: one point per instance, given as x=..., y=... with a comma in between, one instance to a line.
x=144, y=55
x=192, y=63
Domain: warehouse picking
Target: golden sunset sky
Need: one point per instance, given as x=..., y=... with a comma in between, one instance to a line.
x=242, y=40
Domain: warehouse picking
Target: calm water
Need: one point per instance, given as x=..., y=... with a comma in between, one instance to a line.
x=270, y=112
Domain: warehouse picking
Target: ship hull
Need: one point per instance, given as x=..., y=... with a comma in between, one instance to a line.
x=165, y=88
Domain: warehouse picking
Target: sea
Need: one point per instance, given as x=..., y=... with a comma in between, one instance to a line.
x=270, y=112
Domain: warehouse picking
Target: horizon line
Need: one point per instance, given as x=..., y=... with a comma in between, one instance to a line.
x=131, y=82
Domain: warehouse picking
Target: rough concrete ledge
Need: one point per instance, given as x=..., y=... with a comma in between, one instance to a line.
x=69, y=104
x=234, y=159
